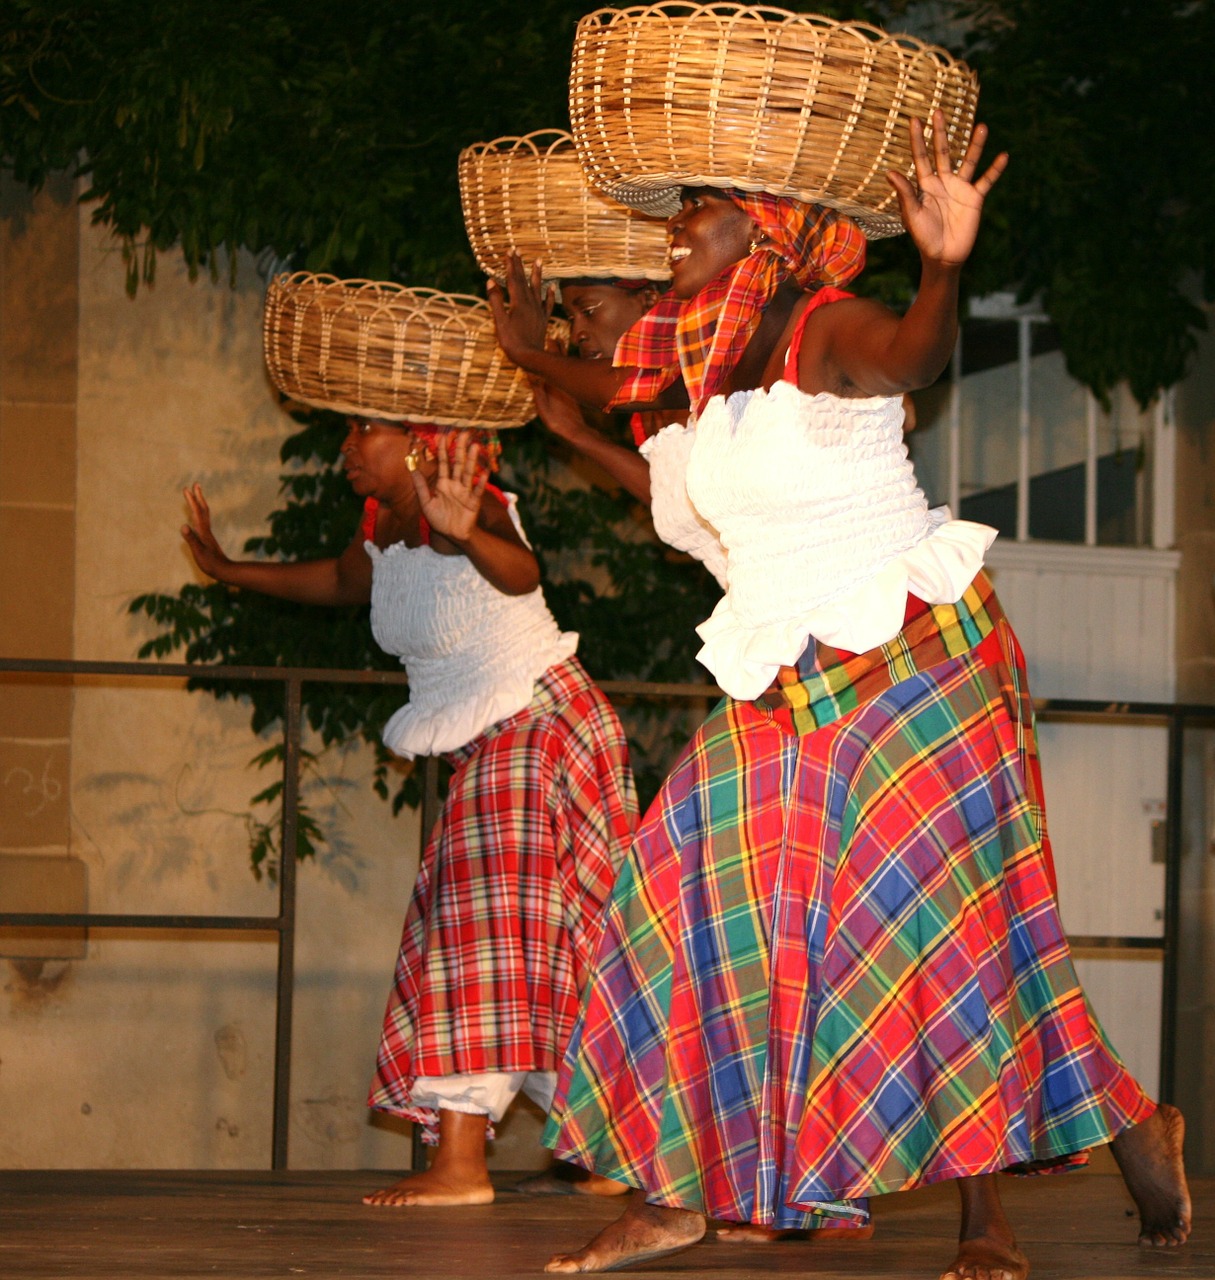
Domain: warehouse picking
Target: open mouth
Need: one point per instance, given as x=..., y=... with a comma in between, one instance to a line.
x=678, y=253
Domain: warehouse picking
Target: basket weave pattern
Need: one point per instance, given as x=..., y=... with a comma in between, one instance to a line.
x=531, y=196
x=381, y=350
x=760, y=99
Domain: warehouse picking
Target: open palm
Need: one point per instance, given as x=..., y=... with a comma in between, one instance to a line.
x=452, y=503
x=942, y=211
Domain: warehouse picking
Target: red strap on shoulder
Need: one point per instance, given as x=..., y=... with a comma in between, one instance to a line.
x=828, y=293
x=371, y=507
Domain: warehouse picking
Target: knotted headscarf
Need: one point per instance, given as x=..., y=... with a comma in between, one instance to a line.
x=703, y=337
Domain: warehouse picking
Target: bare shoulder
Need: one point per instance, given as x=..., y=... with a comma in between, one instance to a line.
x=494, y=517
x=834, y=335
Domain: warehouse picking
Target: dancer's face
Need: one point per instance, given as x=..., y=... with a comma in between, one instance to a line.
x=708, y=234
x=375, y=455
x=600, y=313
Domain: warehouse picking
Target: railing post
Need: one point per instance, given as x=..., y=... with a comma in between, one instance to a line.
x=429, y=816
x=285, y=987
x=1172, y=907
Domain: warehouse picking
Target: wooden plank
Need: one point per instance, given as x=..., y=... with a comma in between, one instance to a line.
x=252, y=1225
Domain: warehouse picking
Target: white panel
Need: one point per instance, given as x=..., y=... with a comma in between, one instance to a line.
x=1126, y=997
x=1105, y=787
x=1095, y=622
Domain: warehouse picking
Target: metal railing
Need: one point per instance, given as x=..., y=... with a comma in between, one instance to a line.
x=1176, y=717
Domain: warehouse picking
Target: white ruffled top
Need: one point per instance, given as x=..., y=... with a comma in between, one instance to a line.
x=676, y=520
x=824, y=526
x=473, y=654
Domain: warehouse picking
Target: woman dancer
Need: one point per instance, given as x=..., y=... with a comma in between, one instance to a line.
x=833, y=964
x=506, y=909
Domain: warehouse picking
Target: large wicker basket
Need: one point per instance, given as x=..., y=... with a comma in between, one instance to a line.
x=530, y=195
x=381, y=350
x=761, y=99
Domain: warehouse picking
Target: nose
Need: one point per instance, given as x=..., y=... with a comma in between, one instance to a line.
x=351, y=428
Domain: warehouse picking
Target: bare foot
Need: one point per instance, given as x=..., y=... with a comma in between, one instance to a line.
x=432, y=1188
x=564, y=1179
x=1150, y=1157
x=458, y=1174
x=985, y=1258
x=749, y=1233
x=642, y=1232
x=986, y=1247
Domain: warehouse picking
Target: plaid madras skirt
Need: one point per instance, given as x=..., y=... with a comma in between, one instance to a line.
x=833, y=965
x=507, y=907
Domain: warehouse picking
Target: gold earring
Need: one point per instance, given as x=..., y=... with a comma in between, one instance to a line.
x=756, y=241
x=411, y=459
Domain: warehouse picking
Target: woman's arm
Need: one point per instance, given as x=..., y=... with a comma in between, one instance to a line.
x=344, y=579
x=870, y=348
x=561, y=415
x=521, y=318
x=456, y=511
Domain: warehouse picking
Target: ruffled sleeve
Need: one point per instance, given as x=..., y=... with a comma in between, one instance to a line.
x=744, y=659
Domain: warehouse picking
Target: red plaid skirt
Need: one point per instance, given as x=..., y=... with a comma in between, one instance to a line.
x=506, y=909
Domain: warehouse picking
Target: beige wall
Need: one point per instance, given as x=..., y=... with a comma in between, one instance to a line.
x=38, y=310
x=156, y=1051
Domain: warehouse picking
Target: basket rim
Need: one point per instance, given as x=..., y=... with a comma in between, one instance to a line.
x=608, y=261
x=454, y=319
x=617, y=161
x=359, y=287
x=688, y=10
x=663, y=198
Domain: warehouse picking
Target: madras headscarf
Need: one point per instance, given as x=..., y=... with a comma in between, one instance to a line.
x=436, y=437
x=703, y=337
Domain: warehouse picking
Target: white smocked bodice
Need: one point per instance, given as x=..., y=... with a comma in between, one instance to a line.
x=824, y=527
x=676, y=520
x=472, y=653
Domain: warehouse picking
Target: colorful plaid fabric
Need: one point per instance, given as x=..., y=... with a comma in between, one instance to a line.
x=507, y=905
x=703, y=337
x=833, y=964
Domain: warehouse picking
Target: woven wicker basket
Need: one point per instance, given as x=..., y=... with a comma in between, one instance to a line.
x=382, y=350
x=530, y=195
x=761, y=99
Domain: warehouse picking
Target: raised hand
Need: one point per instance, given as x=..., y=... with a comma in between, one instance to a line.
x=558, y=410
x=521, y=316
x=207, y=553
x=451, y=506
x=943, y=214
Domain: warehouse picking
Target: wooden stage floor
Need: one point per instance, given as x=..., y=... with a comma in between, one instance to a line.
x=251, y=1225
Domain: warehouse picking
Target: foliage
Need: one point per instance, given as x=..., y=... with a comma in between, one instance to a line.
x=327, y=134
x=1108, y=208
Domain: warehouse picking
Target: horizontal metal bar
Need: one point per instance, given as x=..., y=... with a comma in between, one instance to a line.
x=1050, y=707
x=1107, y=942
x=110, y=920
x=1123, y=710
x=200, y=671
x=641, y=688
